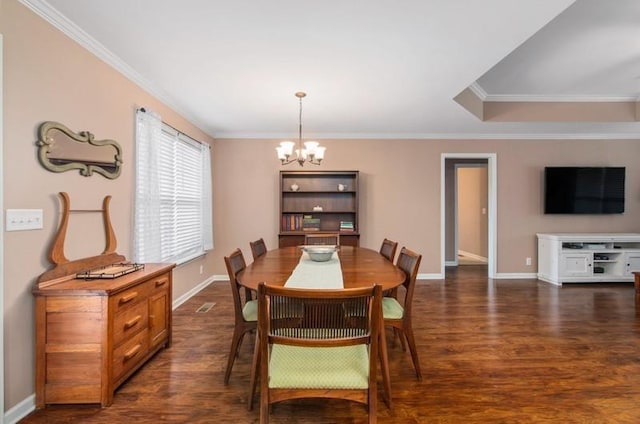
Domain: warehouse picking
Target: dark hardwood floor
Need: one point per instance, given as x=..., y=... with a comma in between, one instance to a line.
x=498, y=351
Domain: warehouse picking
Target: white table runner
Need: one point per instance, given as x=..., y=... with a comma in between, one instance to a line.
x=316, y=275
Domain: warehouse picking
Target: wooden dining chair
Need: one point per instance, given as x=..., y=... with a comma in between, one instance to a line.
x=258, y=248
x=388, y=249
x=397, y=313
x=245, y=310
x=327, y=352
x=324, y=238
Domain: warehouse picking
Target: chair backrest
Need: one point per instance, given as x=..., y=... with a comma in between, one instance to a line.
x=319, y=317
x=235, y=263
x=258, y=248
x=324, y=238
x=388, y=249
x=409, y=262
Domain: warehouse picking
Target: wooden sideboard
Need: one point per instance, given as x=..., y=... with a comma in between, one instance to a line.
x=91, y=335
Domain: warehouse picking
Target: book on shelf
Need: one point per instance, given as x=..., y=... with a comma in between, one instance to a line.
x=309, y=223
x=346, y=225
x=291, y=222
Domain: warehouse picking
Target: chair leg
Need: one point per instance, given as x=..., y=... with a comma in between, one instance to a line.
x=264, y=408
x=400, y=334
x=384, y=365
x=373, y=399
x=254, y=373
x=235, y=344
x=414, y=352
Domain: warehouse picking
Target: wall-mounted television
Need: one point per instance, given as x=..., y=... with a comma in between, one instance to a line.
x=584, y=190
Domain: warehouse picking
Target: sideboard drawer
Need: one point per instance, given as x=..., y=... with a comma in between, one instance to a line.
x=129, y=321
x=159, y=283
x=128, y=298
x=130, y=354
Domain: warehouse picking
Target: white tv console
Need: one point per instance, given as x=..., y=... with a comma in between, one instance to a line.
x=588, y=257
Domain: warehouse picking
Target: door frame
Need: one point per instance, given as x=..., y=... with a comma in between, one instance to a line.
x=492, y=206
x=2, y=373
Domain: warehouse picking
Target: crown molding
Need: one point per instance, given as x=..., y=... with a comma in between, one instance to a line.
x=558, y=98
x=77, y=34
x=482, y=94
x=458, y=136
x=478, y=91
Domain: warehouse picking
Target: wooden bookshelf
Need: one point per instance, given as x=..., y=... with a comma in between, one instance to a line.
x=302, y=192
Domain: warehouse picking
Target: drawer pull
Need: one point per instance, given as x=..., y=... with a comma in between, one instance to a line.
x=128, y=298
x=132, y=323
x=132, y=352
x=161, y=283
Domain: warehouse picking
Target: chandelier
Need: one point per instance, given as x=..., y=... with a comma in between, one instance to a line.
x=312, y=152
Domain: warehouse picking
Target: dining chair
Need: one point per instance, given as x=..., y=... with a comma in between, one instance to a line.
x=327, y=352
x=388, y=249
x=324, y=238
x=245, y=310
x=397, y=312
x=258, y=248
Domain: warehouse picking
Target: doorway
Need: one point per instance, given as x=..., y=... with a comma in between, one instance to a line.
x=470, y=212
x=450, y=225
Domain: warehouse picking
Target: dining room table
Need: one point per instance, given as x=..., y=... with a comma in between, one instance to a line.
x=358, y=267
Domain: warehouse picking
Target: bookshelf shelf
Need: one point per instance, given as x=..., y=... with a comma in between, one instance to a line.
x=336, y=192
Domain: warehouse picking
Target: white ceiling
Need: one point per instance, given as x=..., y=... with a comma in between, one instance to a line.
x=371, y=68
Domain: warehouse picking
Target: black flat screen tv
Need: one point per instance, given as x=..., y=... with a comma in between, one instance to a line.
x=584, y=190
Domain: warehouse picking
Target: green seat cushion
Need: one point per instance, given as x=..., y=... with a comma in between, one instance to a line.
x=391, y=308
x=250, y=311
x=319, y=367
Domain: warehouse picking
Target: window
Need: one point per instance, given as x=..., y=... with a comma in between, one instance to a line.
x=172, y=218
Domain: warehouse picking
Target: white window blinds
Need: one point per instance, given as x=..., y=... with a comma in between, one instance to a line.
x=173, y=194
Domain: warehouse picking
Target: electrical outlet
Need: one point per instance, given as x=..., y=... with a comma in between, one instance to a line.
x=528, y=261
x=201, y=269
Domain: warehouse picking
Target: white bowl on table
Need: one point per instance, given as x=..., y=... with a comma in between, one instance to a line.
x=320, y=253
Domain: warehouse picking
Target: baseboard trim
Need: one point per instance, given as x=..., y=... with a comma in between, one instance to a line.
x=21, y=410
x=472, y=256
x=432, y=276
x=516, y=276
x=188, y=295
x=221, y=277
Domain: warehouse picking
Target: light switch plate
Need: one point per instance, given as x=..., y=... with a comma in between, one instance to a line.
x=23, y=219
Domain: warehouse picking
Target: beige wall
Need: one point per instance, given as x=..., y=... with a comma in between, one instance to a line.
x=400, y=186
x=472, y=200
x=49, y=77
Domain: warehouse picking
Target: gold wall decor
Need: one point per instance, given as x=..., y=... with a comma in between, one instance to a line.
x=60, y=150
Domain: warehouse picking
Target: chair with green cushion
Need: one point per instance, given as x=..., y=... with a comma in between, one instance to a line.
x=258, y=248
x=245, y=310
x=397, y=312
x=327, y=352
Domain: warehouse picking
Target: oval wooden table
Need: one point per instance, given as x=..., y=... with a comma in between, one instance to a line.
x=361, y=267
